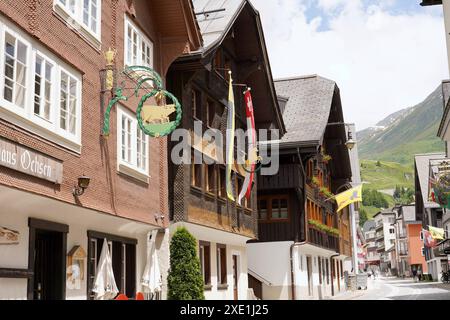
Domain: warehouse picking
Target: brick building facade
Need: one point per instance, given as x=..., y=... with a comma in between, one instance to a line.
x=51, y=104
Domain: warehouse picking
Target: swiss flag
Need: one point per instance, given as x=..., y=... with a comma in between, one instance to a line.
x=428, y=240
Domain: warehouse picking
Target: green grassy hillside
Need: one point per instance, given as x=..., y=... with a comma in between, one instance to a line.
x=387, y=175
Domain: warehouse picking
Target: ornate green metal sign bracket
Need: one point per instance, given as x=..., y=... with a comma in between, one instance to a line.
x=153, y=119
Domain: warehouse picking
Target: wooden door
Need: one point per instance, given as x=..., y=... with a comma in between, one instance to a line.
x=235, y=277
x=48, y=268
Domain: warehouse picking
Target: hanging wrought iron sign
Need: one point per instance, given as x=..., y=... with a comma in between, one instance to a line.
x=156, y=120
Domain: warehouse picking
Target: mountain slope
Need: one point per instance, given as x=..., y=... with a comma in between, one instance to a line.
x=386, y=175
x=404, y=133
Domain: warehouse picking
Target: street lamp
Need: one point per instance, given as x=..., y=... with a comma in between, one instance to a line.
x=350, y=143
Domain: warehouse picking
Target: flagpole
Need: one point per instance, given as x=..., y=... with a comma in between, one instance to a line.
x=354, y=239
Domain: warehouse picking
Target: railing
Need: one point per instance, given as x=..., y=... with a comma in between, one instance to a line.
x=374, y=257
x=247, y=221
x=289, y=176
x=370, y=236
x=322, y=239
x=313, y=193
x=379, y=226
x=443, y=248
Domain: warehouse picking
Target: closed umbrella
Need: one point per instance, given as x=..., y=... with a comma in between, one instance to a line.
x=105, y=287
x=151, y=278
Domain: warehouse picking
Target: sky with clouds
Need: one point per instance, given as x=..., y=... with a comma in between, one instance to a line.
x=385, y=55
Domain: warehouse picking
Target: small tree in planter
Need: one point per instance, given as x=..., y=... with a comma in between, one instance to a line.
x=185, y=281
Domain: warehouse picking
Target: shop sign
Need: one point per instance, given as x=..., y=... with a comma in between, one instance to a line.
x=8, y=236
x=20, y=158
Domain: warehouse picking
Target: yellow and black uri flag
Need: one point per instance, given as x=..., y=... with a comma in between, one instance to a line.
x=436, y=233
x=230, y=140
x=345, y=198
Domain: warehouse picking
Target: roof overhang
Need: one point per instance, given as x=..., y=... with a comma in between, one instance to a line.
x=425, y=3
x=310, y=248
x=206, y=54
x=176, y=20
x=445, y=122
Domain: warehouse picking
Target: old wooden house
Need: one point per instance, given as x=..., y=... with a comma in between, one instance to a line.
x=303, y=242
x=233, y=41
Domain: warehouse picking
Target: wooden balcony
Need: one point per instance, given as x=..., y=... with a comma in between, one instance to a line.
x=313, y=194
x=221, y=214
x=442, y=249
x=323, y=239
x=289, y=176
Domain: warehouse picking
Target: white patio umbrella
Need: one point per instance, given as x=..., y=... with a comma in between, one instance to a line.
x=105, y=287
x=151, y=278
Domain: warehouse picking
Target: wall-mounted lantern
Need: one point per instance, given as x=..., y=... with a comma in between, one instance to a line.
x=83, y=183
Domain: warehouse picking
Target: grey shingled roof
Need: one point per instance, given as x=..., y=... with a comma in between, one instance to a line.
x=308, y=108
x=423, y=171
x=369, y=225
x=213, y=26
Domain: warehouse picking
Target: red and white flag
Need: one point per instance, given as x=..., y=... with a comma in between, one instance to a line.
x=428, y=239
x=252, y=147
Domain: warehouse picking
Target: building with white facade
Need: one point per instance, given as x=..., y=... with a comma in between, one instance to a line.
x=385, y=240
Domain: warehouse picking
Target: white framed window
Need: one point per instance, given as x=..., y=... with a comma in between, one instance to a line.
x=68, y=102
x=32, y=89
x=15, y=69
x=83, y=16
x=44, y=82
x=421, y=235
x=423, y=251
x=132, y=145
x=138, y=47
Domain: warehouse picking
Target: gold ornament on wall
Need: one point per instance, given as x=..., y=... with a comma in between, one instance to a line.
x=110, y=56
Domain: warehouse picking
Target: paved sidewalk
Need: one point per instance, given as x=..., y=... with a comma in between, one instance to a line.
x=371, y=285
x=348, y=295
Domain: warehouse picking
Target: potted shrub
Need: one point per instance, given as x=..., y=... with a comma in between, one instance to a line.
x=315, y=181
x=185, y=281
x=326, y=193
x=326, y=158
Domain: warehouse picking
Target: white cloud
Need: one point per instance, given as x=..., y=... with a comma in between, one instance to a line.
x=381, y=61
